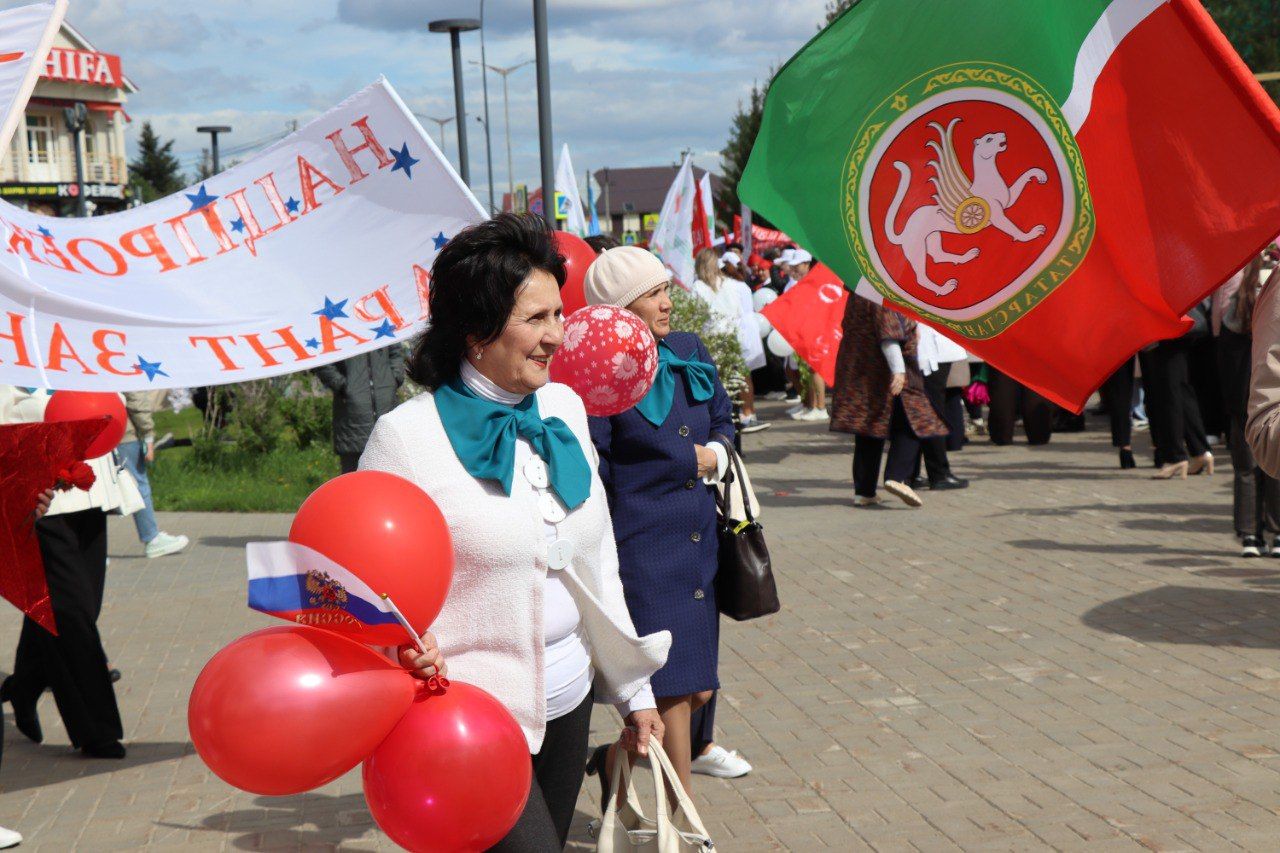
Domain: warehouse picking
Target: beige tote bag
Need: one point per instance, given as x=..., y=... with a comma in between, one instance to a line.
x=674, y=829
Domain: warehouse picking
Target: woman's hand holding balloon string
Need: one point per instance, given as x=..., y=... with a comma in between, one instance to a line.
x=424, y=664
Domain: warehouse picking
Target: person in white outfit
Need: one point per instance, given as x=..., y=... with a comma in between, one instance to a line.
x=732, y=313
x=535, y=613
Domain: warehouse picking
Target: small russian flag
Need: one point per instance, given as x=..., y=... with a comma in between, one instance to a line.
x=305, y=587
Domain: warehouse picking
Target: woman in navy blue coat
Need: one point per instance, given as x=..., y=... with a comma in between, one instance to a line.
x=659, y=462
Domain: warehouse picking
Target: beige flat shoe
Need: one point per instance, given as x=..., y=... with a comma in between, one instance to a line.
x=903, y=492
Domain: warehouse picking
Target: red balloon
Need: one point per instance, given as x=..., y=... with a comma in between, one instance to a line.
x=453, y=775
x=288, y=709
x=86, y=406
x=609, y=357
x=391, y=535
x=577, y=257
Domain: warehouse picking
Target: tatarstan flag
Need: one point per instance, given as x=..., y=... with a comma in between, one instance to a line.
x=1052, y=183
x=810, y=317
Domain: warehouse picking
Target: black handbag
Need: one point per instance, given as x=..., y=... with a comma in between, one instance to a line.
x=745, y=588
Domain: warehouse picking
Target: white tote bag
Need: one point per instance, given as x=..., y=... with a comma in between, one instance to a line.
x=673, y=829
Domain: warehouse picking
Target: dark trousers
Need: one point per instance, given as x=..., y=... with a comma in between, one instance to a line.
x=1172, y=408
x=953, y=416
x=702, y=725
x=72, y=664
x=1117, y=396
x=557, y=776
x=348, y=461
x=904, y=447
x=934, y=450
x=1255, y=504
x=1009, y=399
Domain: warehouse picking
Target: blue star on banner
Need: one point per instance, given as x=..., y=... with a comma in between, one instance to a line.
x=292, y=205
x=151, y=368
x=404, y=161
x=201, y=198
x=45, y=232
x=440, y=240
x=332, y=310
x=386, y=330
x=237, y=225
x=312, y=343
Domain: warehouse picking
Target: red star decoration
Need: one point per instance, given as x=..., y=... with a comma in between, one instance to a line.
x=32, y=458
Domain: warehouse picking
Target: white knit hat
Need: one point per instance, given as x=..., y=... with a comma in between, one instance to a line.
x=787, y=256
x=730, y=259
x=622, y=275
x=800, y=256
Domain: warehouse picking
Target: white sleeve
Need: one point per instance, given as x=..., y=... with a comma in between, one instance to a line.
x=642, y=701
x=722, y=463
x=893, y=354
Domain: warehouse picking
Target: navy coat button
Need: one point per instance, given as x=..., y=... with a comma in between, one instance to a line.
x=684, y=431
x=696, y=537
x=689, y=484
x=699, y=594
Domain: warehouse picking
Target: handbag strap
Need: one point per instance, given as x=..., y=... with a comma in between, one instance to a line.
x=622, y=776
x=663, y=773
x=734, y=475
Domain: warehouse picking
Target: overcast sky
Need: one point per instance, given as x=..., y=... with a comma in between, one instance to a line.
x=634, y=82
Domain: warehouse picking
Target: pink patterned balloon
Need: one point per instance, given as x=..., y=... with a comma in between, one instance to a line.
x=609, y=357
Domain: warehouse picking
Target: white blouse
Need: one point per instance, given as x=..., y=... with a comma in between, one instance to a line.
x=568, y=673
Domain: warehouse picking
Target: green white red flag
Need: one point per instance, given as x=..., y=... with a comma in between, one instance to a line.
x=810, y=317
x=1052, y=184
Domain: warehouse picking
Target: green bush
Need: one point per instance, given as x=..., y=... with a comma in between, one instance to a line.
x=691, y=314
x=307, y=409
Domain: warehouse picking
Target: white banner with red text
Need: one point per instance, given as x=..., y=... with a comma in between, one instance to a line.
x=315, y=250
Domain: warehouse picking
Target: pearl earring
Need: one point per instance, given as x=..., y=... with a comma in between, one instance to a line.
x=479, y=354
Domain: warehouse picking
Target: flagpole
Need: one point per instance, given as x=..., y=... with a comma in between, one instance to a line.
x=395, y=611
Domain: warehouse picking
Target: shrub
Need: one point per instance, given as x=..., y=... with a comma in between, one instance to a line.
x=307, y=410
x=691, y=314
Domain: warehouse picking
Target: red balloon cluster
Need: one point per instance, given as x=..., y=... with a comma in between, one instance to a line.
x=577, y=257
x=609, y=357
x=290, y=708
x=88, y=406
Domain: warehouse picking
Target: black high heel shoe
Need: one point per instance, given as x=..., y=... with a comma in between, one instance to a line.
x=596, y=767
x=1126, y=459
x=25, y=716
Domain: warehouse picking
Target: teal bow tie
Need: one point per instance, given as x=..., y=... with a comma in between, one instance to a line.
x=656, y=405
x=483, y=435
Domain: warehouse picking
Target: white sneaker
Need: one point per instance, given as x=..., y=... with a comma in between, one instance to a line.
x=9, y=838
x=165, y=544
x=796, y=410
x=721, y=763
x=776, y=395
x=815, y=415
x=753, y=424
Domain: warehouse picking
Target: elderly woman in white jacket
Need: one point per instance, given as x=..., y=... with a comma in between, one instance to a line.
x=536, y=614
x=73, y=545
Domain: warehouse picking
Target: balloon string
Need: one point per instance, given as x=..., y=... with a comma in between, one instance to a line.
x=404, y=623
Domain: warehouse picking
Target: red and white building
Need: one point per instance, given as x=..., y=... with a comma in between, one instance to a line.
x=39, y=170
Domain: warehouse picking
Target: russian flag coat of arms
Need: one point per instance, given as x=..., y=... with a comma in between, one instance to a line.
x=303, y=586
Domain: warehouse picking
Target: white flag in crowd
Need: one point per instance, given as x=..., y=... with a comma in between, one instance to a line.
x=673, y=238
x=567, y=187
x=315, y=250
x=708, y=205
x=26, y=34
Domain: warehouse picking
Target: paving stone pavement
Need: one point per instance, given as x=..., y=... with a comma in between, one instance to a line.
x=1064, y=656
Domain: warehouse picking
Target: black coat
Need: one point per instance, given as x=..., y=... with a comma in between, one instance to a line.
x=364, y=389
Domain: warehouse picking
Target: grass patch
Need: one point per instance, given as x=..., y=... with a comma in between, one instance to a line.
x=236, y=481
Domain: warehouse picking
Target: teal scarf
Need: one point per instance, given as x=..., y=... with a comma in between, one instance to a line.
x=656, y=405
x=483, y=435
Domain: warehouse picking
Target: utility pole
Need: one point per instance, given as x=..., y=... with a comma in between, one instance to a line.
x=608, y=211
x=543, y=60
x=454, y=27
x=213, y=131
x=76, y=118
x=440, y=122
x=506, y=112
x=488, y=143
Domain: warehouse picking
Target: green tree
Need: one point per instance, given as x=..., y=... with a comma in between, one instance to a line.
x=155, y=170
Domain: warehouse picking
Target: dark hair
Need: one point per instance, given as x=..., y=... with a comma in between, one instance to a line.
x=474, y=282
x=735, y=246
x=601, y=243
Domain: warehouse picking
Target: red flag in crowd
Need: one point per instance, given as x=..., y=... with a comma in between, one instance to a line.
x=701, y=233
x=810, y=316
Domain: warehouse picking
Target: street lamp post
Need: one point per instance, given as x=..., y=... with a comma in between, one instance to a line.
x=454, y=26
x=440, y=122
x=484, y=78
x=544, y=111
x=213, y=131
x=76, y=117
x=504, y=73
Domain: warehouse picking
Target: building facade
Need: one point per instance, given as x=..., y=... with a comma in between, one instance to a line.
x=39, y=170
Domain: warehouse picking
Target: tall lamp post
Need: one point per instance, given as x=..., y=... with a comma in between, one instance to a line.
x=76, y=117
x=454, y=26
x=504, y=73
x=440, y=123
x=213, y=131
x=544, y=111
x=484, y=79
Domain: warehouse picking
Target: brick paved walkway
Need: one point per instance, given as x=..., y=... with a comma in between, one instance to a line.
x=1065, y=655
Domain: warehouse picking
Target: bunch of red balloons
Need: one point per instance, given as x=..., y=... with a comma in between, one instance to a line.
x=290, y=708
x=578, y=256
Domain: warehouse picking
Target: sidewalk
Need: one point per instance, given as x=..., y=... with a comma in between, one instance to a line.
x=1065, y=655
